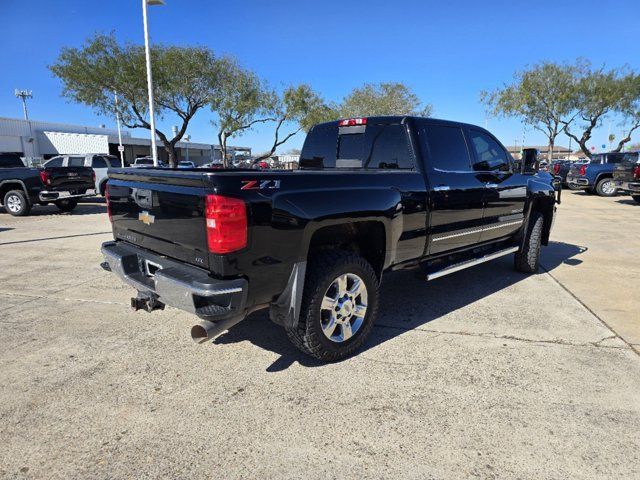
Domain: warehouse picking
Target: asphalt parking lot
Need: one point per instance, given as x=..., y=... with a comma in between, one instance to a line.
x=486, y=373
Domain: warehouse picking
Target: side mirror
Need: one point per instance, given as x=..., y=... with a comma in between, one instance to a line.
x=529, y=162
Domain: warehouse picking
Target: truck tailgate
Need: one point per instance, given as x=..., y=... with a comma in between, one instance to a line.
x=624, y=170
x=69, y=178
x=162, y=211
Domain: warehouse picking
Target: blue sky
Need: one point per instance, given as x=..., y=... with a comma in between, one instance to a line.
x=447, y=51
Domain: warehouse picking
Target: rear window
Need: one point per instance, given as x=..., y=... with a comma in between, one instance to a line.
x=319, y=149
x=376, y=146
x=76, y=162
x=10, y=161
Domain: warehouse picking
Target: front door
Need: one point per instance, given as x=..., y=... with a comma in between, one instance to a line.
x=505, y=190
x=456, y=191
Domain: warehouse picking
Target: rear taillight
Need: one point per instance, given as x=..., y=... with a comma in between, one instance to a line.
x=636, y=173
x=226, y=224
x=352, y=122
x=93, y=177
x=45, y=177
x=583, y=170
x=556, y=168
x=107, y=199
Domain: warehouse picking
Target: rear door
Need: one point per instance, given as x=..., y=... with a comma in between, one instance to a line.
x=456, y=191
x=505, y=191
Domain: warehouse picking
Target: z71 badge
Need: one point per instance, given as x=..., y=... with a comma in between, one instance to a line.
x=260, y=184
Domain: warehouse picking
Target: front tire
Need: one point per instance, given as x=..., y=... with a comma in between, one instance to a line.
x=339, y=306
x=16, y=203
x=527, y=259
x=66, y=205
x=606, y=188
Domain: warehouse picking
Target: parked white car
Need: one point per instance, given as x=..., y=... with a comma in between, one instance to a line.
x=99, y=162
x=186, y=164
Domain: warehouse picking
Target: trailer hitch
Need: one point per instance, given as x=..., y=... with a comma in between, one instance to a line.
x=146, y=302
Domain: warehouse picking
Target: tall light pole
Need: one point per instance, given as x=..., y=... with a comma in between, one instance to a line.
x=152, y=120
x=120, y=147
x=23, y=95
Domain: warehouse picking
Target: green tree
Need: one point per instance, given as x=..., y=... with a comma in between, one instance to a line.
x=629, y=109
x=543, y=96
x=246, y=101
x=392, y=98
x=300, y=108
x=599, y=93
x=185, y=80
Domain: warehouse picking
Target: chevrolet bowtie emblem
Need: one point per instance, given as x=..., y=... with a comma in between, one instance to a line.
x=146, y=218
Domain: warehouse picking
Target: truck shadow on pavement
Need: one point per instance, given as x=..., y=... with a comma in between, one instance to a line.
x=407, y=302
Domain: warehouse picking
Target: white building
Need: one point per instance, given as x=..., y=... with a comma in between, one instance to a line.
x=39, y=141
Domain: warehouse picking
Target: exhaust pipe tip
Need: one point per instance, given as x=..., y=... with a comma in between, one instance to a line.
x=208, y=330
x=200, y=333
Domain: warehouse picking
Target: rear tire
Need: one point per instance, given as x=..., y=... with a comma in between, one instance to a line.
x=636, y=198
x=329, y=327
x=527, y=259
x=606, y=188
x=16, y=203
x=66, y=205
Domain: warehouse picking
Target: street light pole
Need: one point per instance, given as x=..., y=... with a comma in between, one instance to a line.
x=152, y=120
x=120, y=147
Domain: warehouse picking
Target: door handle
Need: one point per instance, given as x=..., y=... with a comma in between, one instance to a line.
x=441, y=188
x=491, y=185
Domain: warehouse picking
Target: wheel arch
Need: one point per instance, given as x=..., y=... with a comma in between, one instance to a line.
x=366, y=238
x=545, y=204
x=7, y=185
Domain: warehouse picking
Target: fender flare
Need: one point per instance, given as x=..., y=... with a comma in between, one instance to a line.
x=24, y=188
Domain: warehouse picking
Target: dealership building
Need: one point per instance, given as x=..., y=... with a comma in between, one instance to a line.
x=37, y=141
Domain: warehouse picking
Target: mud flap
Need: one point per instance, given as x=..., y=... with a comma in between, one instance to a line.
x=285, y=310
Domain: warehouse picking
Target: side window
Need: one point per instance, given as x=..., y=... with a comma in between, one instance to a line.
x=447, y=148
x=615, y=157
x=76, y=162
x=54, y=162
x=320, y=147
x=489, y=154
x=388, y=147
x=99, y=162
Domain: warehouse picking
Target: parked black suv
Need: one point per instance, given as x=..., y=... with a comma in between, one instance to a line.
x=22, y=187
x=372, y=195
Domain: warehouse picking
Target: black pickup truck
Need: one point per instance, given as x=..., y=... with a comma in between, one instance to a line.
x=371, y=195
x=21, y=187
x=626, y=175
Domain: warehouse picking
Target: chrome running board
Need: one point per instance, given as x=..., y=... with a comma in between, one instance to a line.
x=470, y=263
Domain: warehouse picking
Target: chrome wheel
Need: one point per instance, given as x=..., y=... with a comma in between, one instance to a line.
x=608, y=188
x=343, y=308
x=14, y=203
